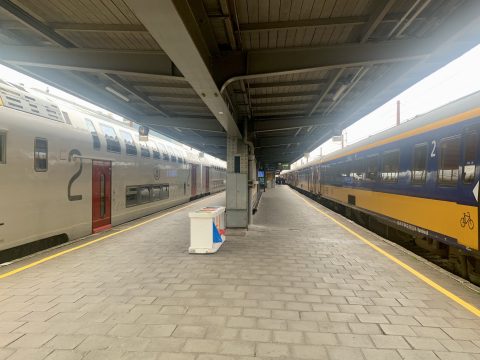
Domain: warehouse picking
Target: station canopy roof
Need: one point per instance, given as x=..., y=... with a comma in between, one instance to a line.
x=290, y=73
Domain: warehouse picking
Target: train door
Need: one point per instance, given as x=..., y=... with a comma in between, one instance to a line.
x=207, y=179
x=469, y=180
x=194, y=180
x=101, y=195
x=315, y=179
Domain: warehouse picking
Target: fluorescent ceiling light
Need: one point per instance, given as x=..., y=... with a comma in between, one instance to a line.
x=339, y=92
x=117, y=94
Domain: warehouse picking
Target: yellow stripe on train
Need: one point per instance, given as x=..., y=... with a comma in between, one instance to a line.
x=443, y=217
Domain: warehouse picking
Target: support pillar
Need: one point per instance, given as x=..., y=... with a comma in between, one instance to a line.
x=237, y=211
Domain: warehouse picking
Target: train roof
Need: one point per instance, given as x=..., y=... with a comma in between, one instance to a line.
x=444, y=112
x=43, y=104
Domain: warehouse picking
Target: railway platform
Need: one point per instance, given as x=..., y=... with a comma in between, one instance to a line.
x=302, y=283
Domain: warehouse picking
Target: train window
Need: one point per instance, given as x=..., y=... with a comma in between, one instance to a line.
x=113, y=144
x=449, y=161
x=3, y=148
x=166, y=157
x=372, y=168
x=159, y=192
x=130, y=147
x=66, y=117
x=173, y=158
x=41, y=154
x=93, y=131
x=144, y=151
x=131, y=196
x=144, y=194
x=155, y=151
x=469, y=157
x=358, y=170
x=419, y=169
x=390, y=164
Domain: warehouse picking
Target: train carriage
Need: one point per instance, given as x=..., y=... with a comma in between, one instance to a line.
x=67, y=171
x=421, y=177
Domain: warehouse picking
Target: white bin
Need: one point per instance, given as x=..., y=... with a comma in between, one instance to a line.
x=207, y=230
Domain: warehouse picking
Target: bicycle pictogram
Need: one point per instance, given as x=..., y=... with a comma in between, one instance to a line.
x=467, y=220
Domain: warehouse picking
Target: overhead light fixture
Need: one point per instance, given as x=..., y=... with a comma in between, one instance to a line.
x=178, y=129
x=339, y=92
x=116, y=93
x=220, y=112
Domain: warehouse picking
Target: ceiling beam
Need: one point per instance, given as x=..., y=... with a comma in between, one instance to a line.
x=381, y=9
x=305, y=23
x=157, y=84
x=286, y=124
x=82, y=27
x=280, y=140
x=89, y=60
x=285, y=61
x=175, y=28
x=34, y=24
x=262, y=85
x=220, y=141
x=291, y=60
x=279, y=104
x=199, y=124
x=283, y=95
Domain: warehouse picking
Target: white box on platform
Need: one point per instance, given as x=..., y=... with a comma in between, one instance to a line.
x=207, y=230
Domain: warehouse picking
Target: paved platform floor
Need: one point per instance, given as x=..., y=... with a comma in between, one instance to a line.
x=296, y=286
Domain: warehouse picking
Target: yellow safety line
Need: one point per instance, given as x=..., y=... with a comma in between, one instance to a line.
x=51, y=257
x=422, y=277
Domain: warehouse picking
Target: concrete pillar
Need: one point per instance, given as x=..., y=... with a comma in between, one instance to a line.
x=237, y=212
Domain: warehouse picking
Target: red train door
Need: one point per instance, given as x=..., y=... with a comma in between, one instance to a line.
x=101, y=195
x=194, y=180
x=207, y=179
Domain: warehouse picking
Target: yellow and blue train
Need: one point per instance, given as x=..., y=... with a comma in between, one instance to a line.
x=420, y=178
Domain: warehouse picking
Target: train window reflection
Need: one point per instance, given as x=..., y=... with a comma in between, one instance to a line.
x=93, y=131
x=469, y=157
x=130, y=147
x=144, y=193
x=390, y=164
x=113, y=144
x=131, y=198
x=41, y=154
x=372, y=168
x=449, y=161
x=419, y=170
x=3, y=148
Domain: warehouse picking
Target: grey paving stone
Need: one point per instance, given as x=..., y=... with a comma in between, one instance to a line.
x=272, y=350
x=381, y=354
x=306, y=294
x=342, y=353
x=316, y=338
x=65, y=355
x=390, y=342
x=453, y=356
x=31, y=341
x=308, y=352
x=65, y=342
x=30, y=354
x=418, y=354
x=243, y=348
x=201, y=346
